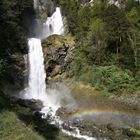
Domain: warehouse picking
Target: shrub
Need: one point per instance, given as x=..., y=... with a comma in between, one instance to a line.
x=107, y=78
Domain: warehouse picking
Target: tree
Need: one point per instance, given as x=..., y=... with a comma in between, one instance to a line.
x=96, y=38
x=83, y=22
x=134, y=37
x=13, y=35
x=118, y=27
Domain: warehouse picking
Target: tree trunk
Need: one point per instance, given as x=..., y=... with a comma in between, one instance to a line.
x=117, y=52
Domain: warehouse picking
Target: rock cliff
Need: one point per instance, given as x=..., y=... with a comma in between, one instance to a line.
x=58, y=51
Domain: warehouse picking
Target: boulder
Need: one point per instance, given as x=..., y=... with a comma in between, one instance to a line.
x=49, y=5
x=64, y=112
x=34, y=105
x=58, y=54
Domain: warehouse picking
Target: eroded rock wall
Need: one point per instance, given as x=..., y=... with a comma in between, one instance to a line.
x=58, y=54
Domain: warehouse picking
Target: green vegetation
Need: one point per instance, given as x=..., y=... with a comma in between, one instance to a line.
x=12, y=128
x=58, y=41
x=12, y=38
x=19, y=123
x=107, y=56
x=16, y=122
x=107, y=78
x=135, y=132
x=107, y=53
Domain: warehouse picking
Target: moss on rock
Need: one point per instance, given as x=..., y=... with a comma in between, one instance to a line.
x=58, y=41
x=58, y=54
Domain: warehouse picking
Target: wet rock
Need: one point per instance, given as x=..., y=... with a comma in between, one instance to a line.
x=108, y=132
x=64, y=112
x=38, y=114
x=67, y=126
x=132, y=100
x=50, y=6
x=35, y=105
x=47, y=6
x=110, y=127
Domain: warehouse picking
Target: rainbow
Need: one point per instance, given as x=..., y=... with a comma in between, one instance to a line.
x=84, y=112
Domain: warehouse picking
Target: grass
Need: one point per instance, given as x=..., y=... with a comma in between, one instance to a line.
x=19, y=123
x=11, y=128
x=14, y=128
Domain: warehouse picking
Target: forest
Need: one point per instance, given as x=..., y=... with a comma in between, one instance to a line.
x=13, y=41
x=107, y=38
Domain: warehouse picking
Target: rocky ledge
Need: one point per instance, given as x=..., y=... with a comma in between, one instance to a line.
x=34, y=105
x=58, y=52
x=108, y=131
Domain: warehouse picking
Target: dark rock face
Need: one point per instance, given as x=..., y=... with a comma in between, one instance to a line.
x=64, y=112
x=14, y=79
x=58, y=52
x=35, y=20
x=34, y=105
x=50, y=6
x=46, y=4
x=28, y=18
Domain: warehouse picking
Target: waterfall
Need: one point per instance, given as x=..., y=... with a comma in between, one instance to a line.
x=37, y=75
x=53, y=24
x=36, y=89
x=36, y=80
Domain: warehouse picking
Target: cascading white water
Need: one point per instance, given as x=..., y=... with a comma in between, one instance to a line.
x=37, y=75
x=53, y=24
x=36, y=82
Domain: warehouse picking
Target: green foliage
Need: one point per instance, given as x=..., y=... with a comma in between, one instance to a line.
x=114, y=79
x=135, y=132
x=3, y=64
x=116, y=22
x=96, y=40
x=19, y=123
x=12, y=36
x=12, y=128
x=83, y=22
x=106, y=78
x=107, y=54
x=134, y=37
x=137, y=77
